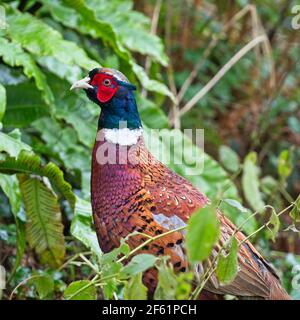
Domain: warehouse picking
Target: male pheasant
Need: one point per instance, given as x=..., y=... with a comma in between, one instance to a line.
x=132, y=191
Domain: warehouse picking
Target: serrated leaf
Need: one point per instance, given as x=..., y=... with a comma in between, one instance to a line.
x=250, y=183
x=137, y=264
x=227, y=266
x=135, y=289
x=202, y=233
x=29, y=163
x=81, y=290
x=229, y=158
x=44, y=229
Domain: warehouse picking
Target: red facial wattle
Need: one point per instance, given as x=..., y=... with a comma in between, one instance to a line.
x=105, y=91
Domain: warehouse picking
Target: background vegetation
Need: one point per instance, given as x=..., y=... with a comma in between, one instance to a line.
x=230, y=67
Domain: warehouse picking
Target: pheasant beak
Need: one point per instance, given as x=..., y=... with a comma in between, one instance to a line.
x=82, y=84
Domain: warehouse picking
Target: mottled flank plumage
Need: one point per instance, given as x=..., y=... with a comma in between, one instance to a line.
x=144, y=195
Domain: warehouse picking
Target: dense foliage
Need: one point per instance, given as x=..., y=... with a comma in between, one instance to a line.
x=176, y=53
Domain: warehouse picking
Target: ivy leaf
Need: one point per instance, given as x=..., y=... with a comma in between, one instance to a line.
x=203, y=232
x=81, y=290
x=285, y=165
x=250, y=183
x=44, y=228
x=137, y=264
x=229, y=159
x=135, y=289
x=227, y=266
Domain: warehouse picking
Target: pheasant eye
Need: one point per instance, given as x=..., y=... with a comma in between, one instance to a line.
x=107, y=82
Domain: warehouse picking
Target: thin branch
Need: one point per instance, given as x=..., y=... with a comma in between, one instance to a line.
x=208, y=49
x=154, y=24
x=222, y=72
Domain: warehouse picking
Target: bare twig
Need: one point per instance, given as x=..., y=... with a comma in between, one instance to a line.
x=154, y=24
x=208, y=49
x=222, y=72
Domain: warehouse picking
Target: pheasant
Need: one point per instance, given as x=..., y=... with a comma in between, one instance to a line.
x=132, y=191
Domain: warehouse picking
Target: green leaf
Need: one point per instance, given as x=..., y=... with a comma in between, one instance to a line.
x=250, y=183
x=2, y=101
x=44, y=228
x=13, y=54
x=76, y=14
x=81, y=290
x=285, y=165
x=113, y=255
x=229, y=159
x=42, y=40
x=44, y=284
x=274, y=225
x=11, y=145
x=227, y=266
x=10, y=187
x=151, y=115
x=202, y=234
x=124, y=20
x=81, y=226
x=29, y=163
x=295, y=212
x=135, y=289
x=24, y=105
x=137, y=264
x=172, y=286
x=234, y=203
x=269, y=185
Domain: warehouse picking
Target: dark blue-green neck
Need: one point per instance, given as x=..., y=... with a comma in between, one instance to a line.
x=120, y=109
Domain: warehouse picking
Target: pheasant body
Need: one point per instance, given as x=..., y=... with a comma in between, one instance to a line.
x=135, y=192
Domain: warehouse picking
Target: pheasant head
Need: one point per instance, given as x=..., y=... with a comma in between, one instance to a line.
x=111, y=90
